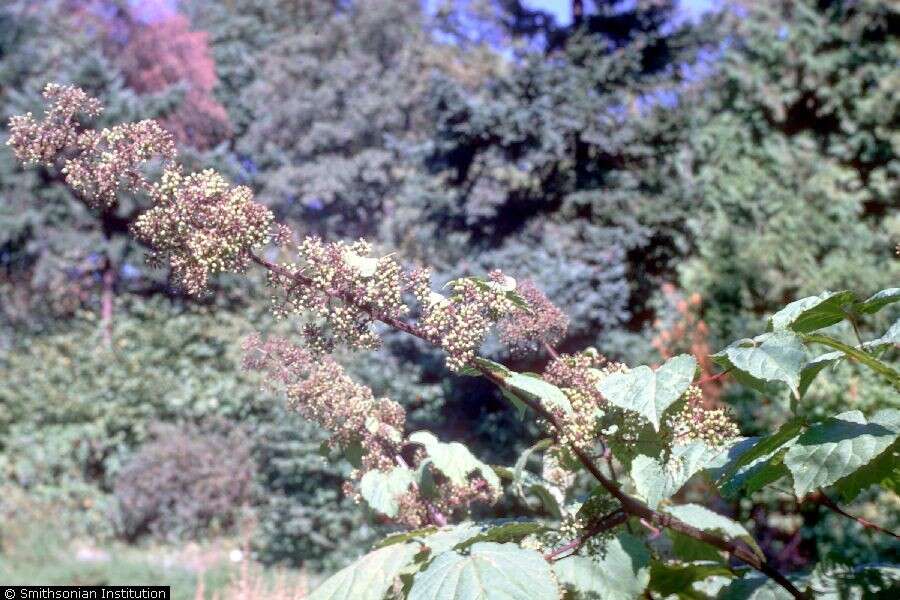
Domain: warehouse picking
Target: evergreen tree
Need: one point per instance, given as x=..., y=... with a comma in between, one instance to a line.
x=798, y=144
x=562, y=167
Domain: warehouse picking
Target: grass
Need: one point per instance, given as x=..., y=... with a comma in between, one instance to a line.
x=38, y=552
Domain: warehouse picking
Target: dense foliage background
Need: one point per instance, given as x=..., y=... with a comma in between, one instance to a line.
x=669, y=182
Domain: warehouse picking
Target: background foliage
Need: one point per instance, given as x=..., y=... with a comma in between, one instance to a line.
x=749, y=159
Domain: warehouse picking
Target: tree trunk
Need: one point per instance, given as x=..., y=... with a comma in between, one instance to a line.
x=107, y=300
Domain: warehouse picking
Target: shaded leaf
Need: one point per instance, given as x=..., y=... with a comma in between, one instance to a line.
x=877, y=301
x=835, y=448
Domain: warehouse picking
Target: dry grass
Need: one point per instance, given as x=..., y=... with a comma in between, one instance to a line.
x=252, y=583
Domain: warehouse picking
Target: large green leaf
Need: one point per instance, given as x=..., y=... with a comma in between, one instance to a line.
x=656, y=480
x=647, y=392
x=622, y=572
x=489, y=571
x=878, y=301
x=382, y=490
x=814, y=312
x=370, y=577
x=772, y=357
x=454, y=460
x=837, y=447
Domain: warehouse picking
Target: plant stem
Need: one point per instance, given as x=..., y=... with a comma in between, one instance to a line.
x=820, y=498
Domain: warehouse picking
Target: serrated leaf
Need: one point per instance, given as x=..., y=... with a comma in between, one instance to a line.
x=778, y=356
x=647, y=392
x=488, y=572
x=883, y=471
x=622, y=573
x=656, y=480
x=836, y=448
x=536, y=389
x=382, y=491
x=878, y=300
x=370, y=577
x=814, y=312
x=454, y=460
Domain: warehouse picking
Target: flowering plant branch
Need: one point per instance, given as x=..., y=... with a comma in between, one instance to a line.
x=652, y=421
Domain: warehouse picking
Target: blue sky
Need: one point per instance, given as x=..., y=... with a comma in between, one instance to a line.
x=562, y=8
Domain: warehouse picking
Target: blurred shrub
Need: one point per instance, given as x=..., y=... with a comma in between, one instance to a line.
x=304, y=516
x=73, y=413
x=186, y=482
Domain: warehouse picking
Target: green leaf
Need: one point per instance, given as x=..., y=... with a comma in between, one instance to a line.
x=884, y=471
x=381, y=491
x=878, y=301
x=526, y=482
x=707, y=520
x=647, y=392
x=405, y=536
x=370, y=577
x=488, y=572
x=549, y=494
x=764, y=447
x=454, y=460
x=857, y=354
x=754, y=587
x=835, y=448
x=777, y=356
x=890, y=338
x=656, y=480
x=536, y=389
x=513, y=531
x=814, y=367
x=814, y=312
x=622, y=573
x=678, y=579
